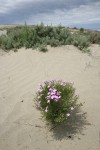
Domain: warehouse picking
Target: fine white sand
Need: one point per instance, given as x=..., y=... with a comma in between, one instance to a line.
x=21, y=127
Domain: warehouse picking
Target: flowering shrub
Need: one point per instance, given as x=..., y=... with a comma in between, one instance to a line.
x=56, y=100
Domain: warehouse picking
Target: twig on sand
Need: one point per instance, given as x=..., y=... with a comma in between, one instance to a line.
x=53, y=127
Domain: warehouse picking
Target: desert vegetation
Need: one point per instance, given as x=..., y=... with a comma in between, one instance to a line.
x=56, y=99
x=40, y=36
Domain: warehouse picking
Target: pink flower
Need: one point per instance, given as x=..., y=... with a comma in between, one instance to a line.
x=59, y=97
x=48, y=97
x=52, y=97
x=39, y=90
x=50, y=89
x=53, y=94
x=45, y=81
x=39, y=104
x=46, y=110
x=64, y=83
x=40, y=84
x=56, y=97
x=72, y=82
x=58, y=93
x=76, y=95
x=54, y=90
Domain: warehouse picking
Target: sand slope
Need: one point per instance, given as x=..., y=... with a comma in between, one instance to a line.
x=20, y=73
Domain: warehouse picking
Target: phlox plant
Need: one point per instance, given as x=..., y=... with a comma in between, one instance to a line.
x=56, y=99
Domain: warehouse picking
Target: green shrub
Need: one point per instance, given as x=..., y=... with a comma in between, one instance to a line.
x=33, y=37
x=56, y=100
x=43, y=48
x=94, y=37
x=81, y=29
x=83, y=43
x=69, y=40
x=5, y=42
x=80, y=41
x=54, y=42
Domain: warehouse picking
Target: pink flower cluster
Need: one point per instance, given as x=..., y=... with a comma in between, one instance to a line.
x=53, y=94
x=38, y=105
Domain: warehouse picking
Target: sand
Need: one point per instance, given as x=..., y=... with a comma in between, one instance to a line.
x=21, y=126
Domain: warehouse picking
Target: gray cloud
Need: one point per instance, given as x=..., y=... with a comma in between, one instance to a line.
x=24, y=10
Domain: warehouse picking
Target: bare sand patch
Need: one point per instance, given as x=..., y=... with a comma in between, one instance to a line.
x=20, y=124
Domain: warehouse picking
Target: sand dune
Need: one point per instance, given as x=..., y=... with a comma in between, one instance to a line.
x=21, y=127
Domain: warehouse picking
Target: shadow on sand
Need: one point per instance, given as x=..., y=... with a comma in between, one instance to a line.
x=73, y=126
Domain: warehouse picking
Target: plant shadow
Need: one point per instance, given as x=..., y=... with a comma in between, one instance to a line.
x=73, y=126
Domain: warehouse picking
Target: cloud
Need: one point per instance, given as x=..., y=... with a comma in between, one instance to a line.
x=42, y=5
x=66, y=12
x=84, y=14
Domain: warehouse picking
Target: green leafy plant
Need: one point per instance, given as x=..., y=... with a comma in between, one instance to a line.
x=56, y=100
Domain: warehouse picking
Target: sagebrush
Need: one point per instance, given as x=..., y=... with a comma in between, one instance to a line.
x=34, y=36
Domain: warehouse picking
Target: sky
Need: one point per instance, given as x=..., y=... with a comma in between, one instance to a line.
x=69, y=13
